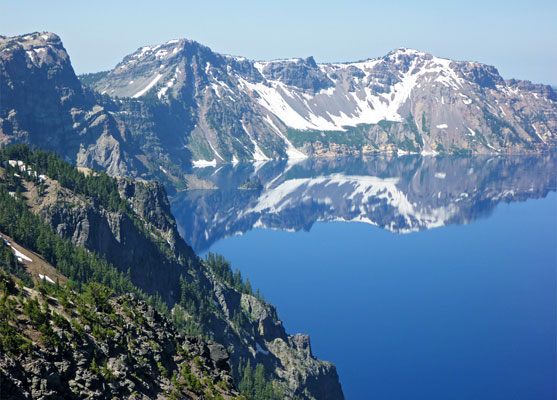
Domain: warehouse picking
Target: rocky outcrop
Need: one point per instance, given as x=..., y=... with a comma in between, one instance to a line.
x=132, y=243
x=124, y=350
x=43, y=103
x=261, y=338
x=304, y=74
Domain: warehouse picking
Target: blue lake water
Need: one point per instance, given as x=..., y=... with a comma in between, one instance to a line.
x=418, y=278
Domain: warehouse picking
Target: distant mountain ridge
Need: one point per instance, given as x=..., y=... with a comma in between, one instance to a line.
x=405, y=101
x=167, y=106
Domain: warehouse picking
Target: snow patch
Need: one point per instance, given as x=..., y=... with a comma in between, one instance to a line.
x=258, y=154
x=204, y=163
x=45, y=277
x=291, y=151
x=149, y=86
x=440, y=175
x=19, y=254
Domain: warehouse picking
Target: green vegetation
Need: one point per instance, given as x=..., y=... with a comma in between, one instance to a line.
x=410, y=125
x=26, y=315
x=353, y=136
x=9, y=263
x=223, y=270
x=11, y=341
x=79, y=265
x=251, y=184
x=501, y=128
x=98, y=186
x=91, y=79
x=256, y=385
x=425, y=129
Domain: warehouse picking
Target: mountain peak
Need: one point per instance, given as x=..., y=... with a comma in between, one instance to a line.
x=404, y=51
x=30, y=40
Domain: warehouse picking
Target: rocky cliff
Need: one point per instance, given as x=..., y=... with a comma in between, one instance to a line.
x=43, y=103
x=145, y=244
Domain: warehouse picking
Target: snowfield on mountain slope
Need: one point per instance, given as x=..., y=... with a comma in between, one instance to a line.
x=333, y=109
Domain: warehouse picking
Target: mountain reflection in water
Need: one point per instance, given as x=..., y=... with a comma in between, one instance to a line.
x=400, y=194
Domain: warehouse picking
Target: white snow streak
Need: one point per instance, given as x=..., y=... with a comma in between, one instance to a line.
x=149, y=86
x=45, y=277
x=204, y=163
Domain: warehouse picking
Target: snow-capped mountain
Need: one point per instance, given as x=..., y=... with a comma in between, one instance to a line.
x=406, y=101
x=399, y=194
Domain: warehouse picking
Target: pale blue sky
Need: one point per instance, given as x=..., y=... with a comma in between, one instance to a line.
x=518, y=37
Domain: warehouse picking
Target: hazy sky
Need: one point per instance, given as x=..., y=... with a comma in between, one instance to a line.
x=518, y=37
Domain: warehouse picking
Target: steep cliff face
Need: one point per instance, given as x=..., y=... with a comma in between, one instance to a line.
x=42, y=102
x=131, y=244
x=259, y=336
x=145, y=242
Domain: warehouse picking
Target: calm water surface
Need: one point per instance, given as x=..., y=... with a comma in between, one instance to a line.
x=419, y=278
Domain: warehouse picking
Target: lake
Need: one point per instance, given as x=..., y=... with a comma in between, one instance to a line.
x=420, y=278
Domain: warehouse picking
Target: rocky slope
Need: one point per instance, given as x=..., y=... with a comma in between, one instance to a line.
x=405, y=101
x=145, y=242
x=60, y=344
x=400, y=194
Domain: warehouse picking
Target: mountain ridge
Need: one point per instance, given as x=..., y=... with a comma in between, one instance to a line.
x=195, y=106
x=301, y=94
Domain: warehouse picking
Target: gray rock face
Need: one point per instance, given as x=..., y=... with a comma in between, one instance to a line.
x=43, y=103
x=304, y=74
x=116, y=236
